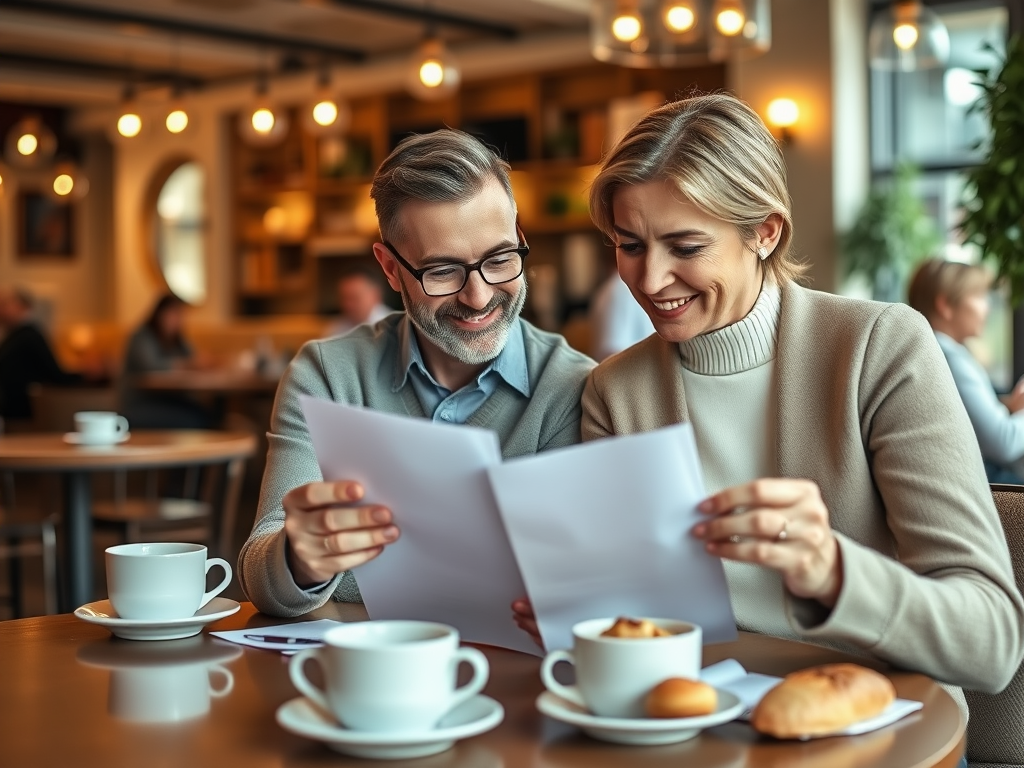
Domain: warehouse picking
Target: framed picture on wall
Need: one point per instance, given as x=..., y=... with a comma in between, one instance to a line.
x=45, y=226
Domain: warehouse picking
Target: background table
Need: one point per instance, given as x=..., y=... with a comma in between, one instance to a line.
x=63, y=696
x=144, y=450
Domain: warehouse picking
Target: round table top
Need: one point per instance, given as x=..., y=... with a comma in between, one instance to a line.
x=144, y=448
x=71, y=693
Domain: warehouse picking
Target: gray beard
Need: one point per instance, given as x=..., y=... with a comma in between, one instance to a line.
x=469, y=347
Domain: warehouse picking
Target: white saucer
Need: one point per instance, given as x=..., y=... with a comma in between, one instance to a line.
x=639, y=731
x=304, y=718
x=75, y=438
x=102, y=612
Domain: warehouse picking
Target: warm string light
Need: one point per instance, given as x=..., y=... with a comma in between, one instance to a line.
x=325, y=112
x=129, y=124
x=63, y=184
x=680, y=17
x=177, y=120
x=730, y=22
x=626, y=27
x=431, y=73
x=263, y=120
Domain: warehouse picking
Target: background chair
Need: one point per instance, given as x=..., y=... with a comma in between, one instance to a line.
x=23, y=536
x=995, y=731
x=205, y=503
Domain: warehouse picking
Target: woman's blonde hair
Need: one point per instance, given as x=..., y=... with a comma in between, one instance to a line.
x=950, y=279
x=722, y=158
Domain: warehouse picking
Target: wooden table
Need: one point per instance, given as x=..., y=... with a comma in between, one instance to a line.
x=215, y=382
x=66, y=699
x=49, y=452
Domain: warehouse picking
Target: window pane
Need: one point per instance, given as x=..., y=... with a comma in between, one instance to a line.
x=180, y=243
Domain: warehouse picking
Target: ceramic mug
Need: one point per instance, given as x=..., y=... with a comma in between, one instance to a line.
x=167, y=694
x=159, y=581
x=615, y=674
x=390, y=675
x=100, y=427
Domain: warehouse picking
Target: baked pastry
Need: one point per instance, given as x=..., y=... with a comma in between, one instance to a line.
x=624, y=627
x=679, y=697
x=822, y=700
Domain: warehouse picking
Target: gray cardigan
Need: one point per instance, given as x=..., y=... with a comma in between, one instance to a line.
x=360, y=369
x=867, y=409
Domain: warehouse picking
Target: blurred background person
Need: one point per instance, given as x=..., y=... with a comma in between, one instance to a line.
x=954, y=298
x=617, y=321
x=26, y=357
x=360, y=300
x=159, y=345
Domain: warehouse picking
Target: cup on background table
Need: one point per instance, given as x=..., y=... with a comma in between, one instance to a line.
x=615, y=674
x=100, y=427
x=390, y=675
x=161, y=581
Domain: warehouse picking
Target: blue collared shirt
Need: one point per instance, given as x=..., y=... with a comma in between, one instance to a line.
x=439, y=402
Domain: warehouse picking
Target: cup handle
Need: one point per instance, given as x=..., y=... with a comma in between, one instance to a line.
x=569, y=694
x=229, y=681
x=296, y=670
x=481, y=671
x=207, y=597
x=122, y=425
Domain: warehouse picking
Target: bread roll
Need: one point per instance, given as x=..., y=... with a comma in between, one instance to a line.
x=822, y=700
x=635, y=628
x=679, y=697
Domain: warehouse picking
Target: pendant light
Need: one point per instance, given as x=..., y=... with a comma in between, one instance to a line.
x=327, y=114
x=29, y=143
x=907, y=36
x=129, y=124
x=262, y=125
x=668, y=33
x=433, y=72
x=68, y=182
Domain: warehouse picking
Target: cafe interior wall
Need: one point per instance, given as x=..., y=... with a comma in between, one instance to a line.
x=799, y=66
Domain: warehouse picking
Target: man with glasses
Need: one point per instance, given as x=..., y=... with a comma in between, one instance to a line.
x=460, y=354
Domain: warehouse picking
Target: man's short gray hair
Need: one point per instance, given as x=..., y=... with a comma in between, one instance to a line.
x=440, y=167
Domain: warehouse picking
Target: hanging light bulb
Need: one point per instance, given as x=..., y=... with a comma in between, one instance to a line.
x=729, y=18
x=68, y=183
x=177, y=117
x=30, y=143
x=679, y=16
x=129, y=124
x=328, y=114
x=626, y=26
x=262, y=125
x=433, y=72
x=907, y=36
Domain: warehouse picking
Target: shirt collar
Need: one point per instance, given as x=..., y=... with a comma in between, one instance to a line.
x=510, y=363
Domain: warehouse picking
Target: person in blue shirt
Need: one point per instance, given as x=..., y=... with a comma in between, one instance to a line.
x=954, y=299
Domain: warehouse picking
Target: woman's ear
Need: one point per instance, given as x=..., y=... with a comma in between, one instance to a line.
x=769, y=231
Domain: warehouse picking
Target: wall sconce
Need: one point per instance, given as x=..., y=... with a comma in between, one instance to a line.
x=29, y=143
x=906, y=36
x=783, y=114
x=667, y=33
x=433, y=72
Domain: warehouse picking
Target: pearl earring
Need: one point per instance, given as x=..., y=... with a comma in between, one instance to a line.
x=762, y=253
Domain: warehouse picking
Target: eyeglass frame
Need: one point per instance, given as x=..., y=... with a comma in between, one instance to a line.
x=523, y=249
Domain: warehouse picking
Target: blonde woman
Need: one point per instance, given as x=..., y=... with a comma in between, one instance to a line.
x=953, y=298
x=848, y=498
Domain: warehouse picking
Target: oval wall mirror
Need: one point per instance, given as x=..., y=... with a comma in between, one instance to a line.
x=178, y=230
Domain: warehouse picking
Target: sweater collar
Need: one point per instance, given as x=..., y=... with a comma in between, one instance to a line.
x=746, y=344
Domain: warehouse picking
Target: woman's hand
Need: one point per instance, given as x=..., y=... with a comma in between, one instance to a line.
x=781, y=524
x=522, y=613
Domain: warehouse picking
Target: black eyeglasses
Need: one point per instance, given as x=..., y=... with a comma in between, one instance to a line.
x=446, y=279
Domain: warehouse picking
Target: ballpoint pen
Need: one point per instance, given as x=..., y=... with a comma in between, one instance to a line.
x=284, y=640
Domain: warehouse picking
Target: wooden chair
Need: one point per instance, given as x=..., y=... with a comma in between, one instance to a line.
x=24, y=536
x=194, y=514
x=995, y=731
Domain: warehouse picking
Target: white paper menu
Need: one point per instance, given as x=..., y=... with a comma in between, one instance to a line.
x=452, y=563
x=603, y=529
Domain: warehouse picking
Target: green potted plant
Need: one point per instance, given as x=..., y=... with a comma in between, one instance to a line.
x=891, y=233
x=994, y=194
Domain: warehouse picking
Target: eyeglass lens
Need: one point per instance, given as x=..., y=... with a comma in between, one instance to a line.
x=451, y=278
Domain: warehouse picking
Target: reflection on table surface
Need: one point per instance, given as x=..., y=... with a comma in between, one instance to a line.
x=75, y=696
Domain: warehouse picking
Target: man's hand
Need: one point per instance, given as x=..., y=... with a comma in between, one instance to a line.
x=330, y=532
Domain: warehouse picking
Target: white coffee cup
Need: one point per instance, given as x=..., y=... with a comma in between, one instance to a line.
x=167, y=694
x=100, y=427
x=390, y=675
x=159, y=581
x=615, y=674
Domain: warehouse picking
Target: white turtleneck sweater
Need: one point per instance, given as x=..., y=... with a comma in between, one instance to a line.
x=728, y=376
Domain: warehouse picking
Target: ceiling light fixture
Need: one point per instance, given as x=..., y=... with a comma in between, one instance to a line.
x=129, y=124
x=30, y=143
x=328, y=114
x=668, y=33
x=907, y=36
x=433, y=72
x=262, y=125
x=69, y=183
